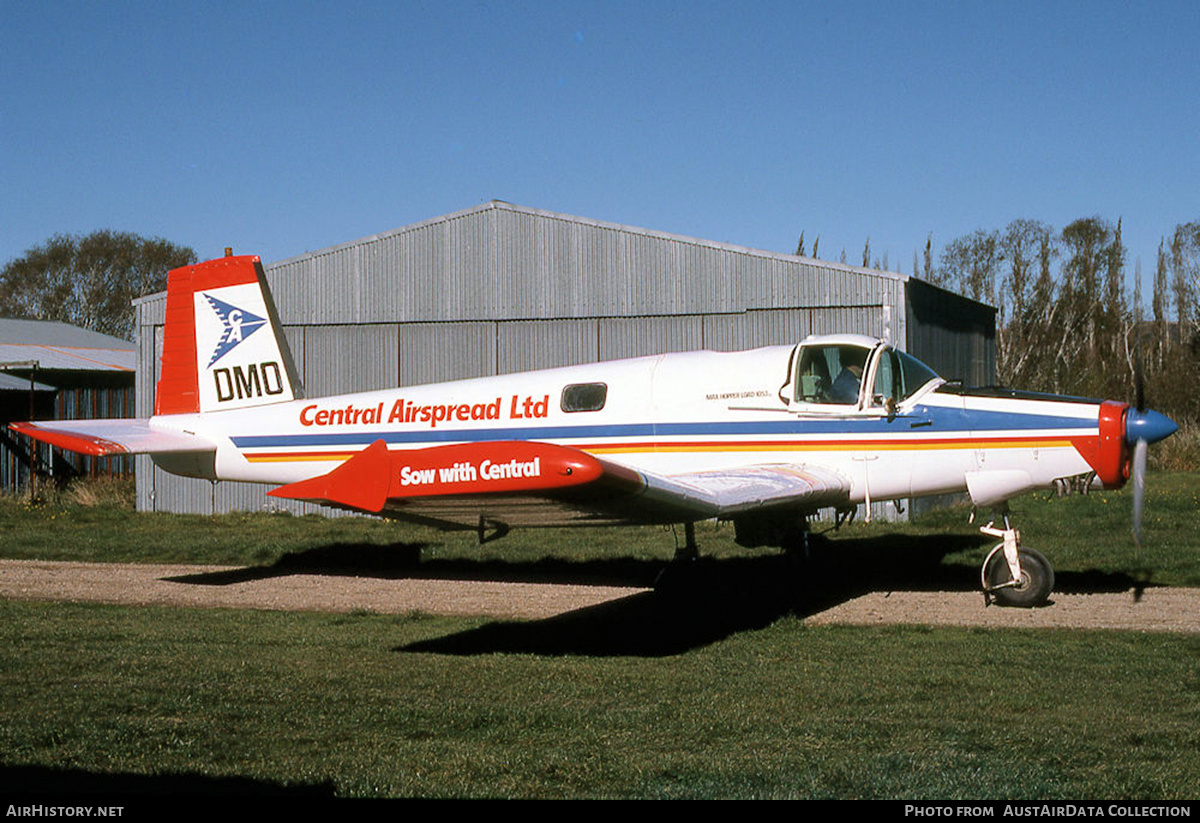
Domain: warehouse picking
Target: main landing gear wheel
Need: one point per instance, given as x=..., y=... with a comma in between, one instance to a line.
x=1031, y=589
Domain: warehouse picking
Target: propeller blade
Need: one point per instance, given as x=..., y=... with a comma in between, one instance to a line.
x=1139, y=487
x=1142, y=427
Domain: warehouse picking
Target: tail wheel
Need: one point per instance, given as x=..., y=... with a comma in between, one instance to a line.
x=1034, y=587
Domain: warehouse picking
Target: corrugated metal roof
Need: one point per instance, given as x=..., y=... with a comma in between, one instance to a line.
x=75, y=359
x=53, y=333
x=55, y=345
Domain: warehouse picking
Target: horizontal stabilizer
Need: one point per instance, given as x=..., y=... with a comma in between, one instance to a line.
x=102, y=438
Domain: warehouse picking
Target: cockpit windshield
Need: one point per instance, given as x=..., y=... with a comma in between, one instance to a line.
x=898, y=376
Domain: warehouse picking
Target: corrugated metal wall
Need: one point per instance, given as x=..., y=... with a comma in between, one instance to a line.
x=502, y=288
x=77, y=395
x=96, y=395
x=15, y=449
x=954, y=336
x=501, y=261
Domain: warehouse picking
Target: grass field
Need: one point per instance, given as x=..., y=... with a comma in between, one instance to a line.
x=688, y=695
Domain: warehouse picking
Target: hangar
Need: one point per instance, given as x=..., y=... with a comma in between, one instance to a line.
x=501, y=288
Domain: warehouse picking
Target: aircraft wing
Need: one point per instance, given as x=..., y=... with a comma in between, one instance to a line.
x=103, y=438
x=729, y=492
x=519, y=483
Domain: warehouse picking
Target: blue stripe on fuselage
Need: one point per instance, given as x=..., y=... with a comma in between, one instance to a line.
x=944, y=421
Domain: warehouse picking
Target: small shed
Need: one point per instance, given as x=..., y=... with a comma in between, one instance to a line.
x=56, y=371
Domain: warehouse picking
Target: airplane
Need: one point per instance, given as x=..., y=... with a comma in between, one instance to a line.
x=763, y=438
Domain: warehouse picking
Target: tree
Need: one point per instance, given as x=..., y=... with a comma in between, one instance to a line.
x=1185, y=278
x=1114, y=278
x=1093, y=260
x=1159, y=302
x=969, y=265
x=1066, y=323
x=1173, y=358
x=89, y=281
x=1025, y=302
x=1021, y=244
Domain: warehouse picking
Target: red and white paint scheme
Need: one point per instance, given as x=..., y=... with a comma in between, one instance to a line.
x=763, y=438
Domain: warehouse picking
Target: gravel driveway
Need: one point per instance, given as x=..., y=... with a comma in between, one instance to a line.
x=1153, y=609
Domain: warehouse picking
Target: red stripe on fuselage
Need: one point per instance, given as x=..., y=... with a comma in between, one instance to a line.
x=647, y=446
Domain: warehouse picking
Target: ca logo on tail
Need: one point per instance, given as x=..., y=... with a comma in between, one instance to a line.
x=239, y=324
x=238, y=366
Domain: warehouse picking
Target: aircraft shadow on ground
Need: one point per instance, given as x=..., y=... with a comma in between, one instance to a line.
x=403, y=561
x=692, y=604
x=714, y=599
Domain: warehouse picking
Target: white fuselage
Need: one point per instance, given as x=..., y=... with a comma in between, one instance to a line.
x=671, y=414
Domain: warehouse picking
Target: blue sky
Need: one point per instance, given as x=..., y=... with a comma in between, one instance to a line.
x=283, y=127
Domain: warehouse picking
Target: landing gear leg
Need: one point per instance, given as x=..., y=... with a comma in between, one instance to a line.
x=1013, y=575
x=685, y=564
x=795, y=542
x=688, y=551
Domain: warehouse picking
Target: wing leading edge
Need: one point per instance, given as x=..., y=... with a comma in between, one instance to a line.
x=521, y=483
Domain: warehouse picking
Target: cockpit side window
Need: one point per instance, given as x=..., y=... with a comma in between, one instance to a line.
x=888, y=380
x=830, y=374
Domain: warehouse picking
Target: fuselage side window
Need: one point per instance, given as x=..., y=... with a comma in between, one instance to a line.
x=584, y=397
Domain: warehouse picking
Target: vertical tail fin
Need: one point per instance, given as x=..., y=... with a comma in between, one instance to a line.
x=223, y=346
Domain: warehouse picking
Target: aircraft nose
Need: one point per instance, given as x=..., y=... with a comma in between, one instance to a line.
x=1148, y=425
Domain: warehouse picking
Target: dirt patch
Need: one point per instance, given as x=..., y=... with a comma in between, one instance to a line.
x=1152, y=609
x=1155, y=609
x=226, y=587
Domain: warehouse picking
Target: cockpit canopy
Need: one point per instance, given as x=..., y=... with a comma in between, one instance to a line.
x=831, y=372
